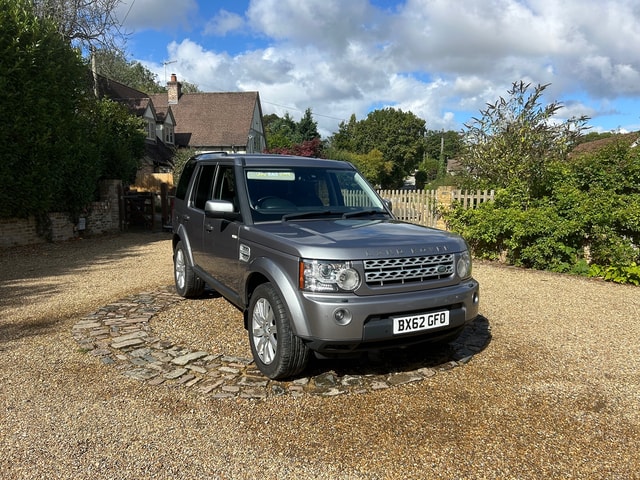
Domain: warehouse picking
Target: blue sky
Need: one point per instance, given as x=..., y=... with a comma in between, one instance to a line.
x=443, y=60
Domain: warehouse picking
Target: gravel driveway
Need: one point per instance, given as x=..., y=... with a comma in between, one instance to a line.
x=555, y=394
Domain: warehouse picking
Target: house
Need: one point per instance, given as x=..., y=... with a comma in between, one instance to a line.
x=159, y=127
x=632, y=139
x=213, y=121
x=224, y=121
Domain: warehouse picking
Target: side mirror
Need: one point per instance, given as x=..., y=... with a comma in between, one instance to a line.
x=388, y=203
x=220, y=209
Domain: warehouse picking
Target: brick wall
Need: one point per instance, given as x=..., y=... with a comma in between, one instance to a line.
x=101, y=217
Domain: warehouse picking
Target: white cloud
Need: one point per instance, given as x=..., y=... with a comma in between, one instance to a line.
x=441, y=59
x=223, y=23
x=156, y=14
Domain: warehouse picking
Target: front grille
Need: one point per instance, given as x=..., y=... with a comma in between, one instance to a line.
x=389, y=271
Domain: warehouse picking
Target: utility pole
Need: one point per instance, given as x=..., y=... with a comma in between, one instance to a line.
x=442, y=168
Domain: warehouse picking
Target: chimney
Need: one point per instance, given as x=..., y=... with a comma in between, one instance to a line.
x=174, y=90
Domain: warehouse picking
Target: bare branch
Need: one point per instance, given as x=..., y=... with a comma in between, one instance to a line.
x=90, y=24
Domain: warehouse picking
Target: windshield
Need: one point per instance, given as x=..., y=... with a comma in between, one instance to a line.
x=304, y=192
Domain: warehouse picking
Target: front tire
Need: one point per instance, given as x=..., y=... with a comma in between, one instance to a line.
x=188, y=284
x=278, y=353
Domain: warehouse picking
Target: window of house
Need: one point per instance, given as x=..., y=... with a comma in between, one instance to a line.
x=151, y=130
x=168, y=134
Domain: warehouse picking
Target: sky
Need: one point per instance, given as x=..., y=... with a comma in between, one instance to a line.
x=442, y=60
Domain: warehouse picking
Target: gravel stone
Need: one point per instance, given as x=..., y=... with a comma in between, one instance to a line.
x=553, y=390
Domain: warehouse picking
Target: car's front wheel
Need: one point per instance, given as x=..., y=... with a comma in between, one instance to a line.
x=278, y=353
x=188, y=284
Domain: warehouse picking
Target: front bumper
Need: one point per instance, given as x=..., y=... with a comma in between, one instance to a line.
x=371, y=324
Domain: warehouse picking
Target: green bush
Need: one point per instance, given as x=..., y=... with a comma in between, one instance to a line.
x=589, y=223
x=619, y=274
x=56, y=140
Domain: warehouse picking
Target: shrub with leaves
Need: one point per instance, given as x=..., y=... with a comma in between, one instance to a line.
x=590, y=216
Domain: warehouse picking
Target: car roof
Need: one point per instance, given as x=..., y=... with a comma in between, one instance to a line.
x=272, y=160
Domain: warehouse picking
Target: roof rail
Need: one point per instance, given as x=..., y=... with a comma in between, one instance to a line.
x=213, y=152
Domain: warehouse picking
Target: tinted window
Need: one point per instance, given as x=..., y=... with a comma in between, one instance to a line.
x=183, y=183
x=202, y=191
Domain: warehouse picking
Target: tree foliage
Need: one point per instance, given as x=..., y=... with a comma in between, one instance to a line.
x=119, y=140
x=56, y=140
x=180, y=158
x=307, y=127
x=113, y=64
x=515, y=139
x=44, y=84
x=286, y=136
x=443, y=145
x=554, y=210
x=281, y=132
x=589, y=221
x=398, y=135
x=372, y=165
x=308, y=148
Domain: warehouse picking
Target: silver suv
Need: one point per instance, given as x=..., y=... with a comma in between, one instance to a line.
x=314, y=259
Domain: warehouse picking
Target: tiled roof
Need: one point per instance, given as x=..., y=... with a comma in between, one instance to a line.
x=211, y=119
x=595, y=145
x=117, y=91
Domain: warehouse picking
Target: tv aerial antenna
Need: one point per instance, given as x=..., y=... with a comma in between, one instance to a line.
x=165, y=63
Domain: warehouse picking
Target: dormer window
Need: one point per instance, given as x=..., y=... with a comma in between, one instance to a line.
x=151, y=130
x=168, y=134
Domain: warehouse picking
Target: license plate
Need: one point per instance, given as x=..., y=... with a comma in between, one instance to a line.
x=420, y=321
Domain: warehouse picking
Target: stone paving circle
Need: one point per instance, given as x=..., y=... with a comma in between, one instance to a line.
x=121, y=334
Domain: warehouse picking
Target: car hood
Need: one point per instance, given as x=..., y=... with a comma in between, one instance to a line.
x=355, y=238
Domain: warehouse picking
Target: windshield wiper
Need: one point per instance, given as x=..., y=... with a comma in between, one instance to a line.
x=314, y=214
x=363, y=213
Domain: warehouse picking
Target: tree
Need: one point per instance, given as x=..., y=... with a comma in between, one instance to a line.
x=308, y=128
x=180, y=158
x=285, y=135
x=56, y=139
x=119, y=138
x=308, y=148
x=588, y=223
x=442, y=146
x=113, y=64
x=44, y=83
x=398, y=135
x=281, y=132
x=90, y=24
x=515, y=139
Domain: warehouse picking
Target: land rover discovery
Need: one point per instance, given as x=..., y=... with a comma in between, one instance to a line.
x=314, y=259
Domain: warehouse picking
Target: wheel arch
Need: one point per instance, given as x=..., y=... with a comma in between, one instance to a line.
x=181, y=236
x=264, y=270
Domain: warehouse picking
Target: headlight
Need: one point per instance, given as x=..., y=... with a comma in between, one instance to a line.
x=328, y=276
x=463, y=266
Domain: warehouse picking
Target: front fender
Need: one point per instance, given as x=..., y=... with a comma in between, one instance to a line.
x=180, y=235
x=287, y=290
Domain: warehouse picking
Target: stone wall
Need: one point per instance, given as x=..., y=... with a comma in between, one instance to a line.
x=101, y=217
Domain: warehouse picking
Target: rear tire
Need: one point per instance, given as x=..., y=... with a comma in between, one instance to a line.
x=278, y=353
x=188, y=284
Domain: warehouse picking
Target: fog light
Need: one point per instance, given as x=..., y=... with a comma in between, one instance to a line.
x=342, y=316
x=476, y=297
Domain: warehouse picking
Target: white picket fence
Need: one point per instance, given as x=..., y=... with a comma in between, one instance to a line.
x=423, y=207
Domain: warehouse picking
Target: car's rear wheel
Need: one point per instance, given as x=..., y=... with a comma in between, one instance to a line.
x=188, y=284
x=278, y=353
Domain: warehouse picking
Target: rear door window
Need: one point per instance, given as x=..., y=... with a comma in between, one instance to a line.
x=202, y=191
